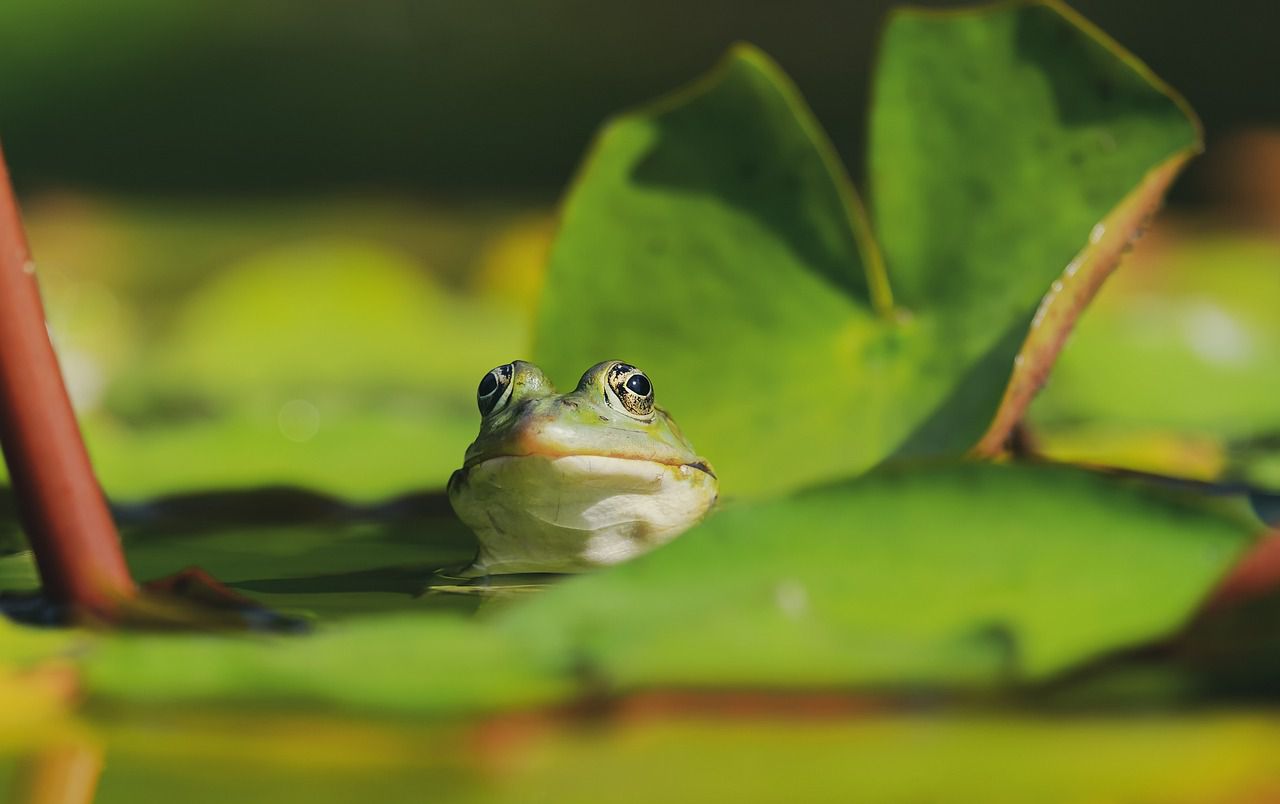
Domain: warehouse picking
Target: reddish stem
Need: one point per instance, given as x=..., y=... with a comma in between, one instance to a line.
x=61, y=504
x=64, y=773
x=1255, y=575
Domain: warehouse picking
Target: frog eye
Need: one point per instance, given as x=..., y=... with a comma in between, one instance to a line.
x=631, y=388
x=495, y=389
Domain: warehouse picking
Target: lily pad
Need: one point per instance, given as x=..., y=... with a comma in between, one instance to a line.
x=974, y=575
x=420, y=664
x=961, y=578
x=713, y=239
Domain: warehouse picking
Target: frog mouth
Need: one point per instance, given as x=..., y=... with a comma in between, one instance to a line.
x=586, y=469
x=698, y=465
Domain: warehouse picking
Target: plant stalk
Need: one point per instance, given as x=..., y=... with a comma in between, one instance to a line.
x=63, y=510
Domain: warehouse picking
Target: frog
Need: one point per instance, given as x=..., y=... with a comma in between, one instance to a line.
x=567, y=483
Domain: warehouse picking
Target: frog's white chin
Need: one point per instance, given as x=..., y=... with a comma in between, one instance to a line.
x=536, y=513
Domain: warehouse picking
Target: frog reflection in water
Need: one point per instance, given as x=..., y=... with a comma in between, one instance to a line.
x=568, y=482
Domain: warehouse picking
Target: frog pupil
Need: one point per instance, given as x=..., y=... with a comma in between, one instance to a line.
x=488, y=385
x=639, y=384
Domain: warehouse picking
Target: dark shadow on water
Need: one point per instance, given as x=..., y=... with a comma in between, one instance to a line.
x=293, y=549
x=496, y=584
x=273, y=505
x=1267, y=506
x=32, y=608
x=154, y=611
x=409, y=581
x=220, y=509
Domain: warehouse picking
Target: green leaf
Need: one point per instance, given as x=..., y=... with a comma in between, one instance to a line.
x=425, y=664
x=963, y=576
x=1014, y=149
x=713, y=240
x=710, y=240
x=959, y=578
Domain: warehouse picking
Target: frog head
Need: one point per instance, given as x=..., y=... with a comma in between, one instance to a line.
x=566, y=482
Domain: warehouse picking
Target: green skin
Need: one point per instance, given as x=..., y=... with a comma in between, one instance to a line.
x=535, y=495
x=538, y=421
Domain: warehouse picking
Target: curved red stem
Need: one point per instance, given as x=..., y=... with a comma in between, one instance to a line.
x=1255, y=575
x=63, y=510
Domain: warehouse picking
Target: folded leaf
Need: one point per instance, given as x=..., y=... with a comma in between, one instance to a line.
x=1015, y=149
x=712, y=239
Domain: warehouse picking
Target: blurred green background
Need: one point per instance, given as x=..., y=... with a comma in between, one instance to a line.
x=285, y=97
x=280, y=242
